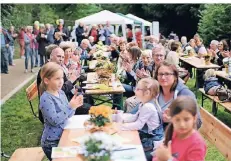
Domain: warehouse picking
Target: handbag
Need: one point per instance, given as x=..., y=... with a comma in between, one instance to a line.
x=223, y=94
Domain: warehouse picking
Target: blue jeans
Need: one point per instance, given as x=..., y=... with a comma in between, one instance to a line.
x=4, y=59
x=47, y=147
x=117, y=101
x=29, y=53
x=42, y=60
x=129, y=90
x=11, y=54
x=36, y=57
x=135, y=109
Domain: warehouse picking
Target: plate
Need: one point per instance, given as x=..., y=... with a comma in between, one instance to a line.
x=90, y=87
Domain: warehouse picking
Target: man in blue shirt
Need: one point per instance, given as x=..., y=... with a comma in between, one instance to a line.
x=5, y=40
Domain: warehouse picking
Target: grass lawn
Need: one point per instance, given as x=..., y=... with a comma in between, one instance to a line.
x=20, y=129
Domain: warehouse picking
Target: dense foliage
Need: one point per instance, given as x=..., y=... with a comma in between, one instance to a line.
x=215, y=22
x=212, y=20
x=180, y=18
x=25, y=14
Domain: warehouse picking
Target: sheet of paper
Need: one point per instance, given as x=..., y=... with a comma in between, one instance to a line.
x=120, y=139
x=136, y=154
x=65, y=152
x=76, y=122
x=116, y=137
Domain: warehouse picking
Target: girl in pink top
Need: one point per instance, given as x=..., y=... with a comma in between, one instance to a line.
x=182, y=141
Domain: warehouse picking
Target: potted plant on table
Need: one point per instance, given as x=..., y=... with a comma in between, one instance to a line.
x=100, y=118
x=207, y=58
x=98, y=147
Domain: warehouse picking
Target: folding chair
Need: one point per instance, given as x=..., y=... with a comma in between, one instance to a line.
x=32, y=93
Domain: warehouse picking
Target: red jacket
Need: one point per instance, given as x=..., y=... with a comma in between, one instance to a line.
x=94, y=33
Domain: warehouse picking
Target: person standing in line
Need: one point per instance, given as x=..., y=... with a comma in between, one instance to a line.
x=11, y=45
x=79, y=32
x=36, y=55
x=50, y=33
x=30, y=40
x=5, y=41
x=42, y=41
x=61, y=32
x=108, y=31
x=21, y=42
x=101, y=33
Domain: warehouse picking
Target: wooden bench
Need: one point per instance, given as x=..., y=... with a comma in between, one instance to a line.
x=28, y=154
x=226, y=105
x=32, y=93
x=216, y=132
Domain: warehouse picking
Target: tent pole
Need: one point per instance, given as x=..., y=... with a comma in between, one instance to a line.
x=133, y=33
x=116, y=29
x=124, y=30
x=142, y=27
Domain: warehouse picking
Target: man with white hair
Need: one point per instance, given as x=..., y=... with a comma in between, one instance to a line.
x=184, y=42
x=57, y=56
x=214, y=50
x=84, y=46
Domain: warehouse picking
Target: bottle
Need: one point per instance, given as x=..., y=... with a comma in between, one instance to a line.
x=229, y=68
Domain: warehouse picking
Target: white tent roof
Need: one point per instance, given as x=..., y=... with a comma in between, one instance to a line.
x=102, y=17
x=146, y=23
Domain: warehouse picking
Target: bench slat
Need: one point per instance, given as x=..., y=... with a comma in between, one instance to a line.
x=226, y=105
x=216, y=132
x=28, y=154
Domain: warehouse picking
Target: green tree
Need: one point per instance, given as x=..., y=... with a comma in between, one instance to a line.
x=215, y=22
x=180, y=18
x=72, y=12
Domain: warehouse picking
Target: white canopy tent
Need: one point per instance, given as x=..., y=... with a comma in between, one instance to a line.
x=103, y=16
x=145, y=22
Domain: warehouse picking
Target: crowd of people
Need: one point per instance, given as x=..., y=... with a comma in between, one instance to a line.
x=154, y=83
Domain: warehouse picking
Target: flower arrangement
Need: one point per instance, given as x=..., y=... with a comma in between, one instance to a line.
x=98, y=147
x=226, y=64
x=207, y=58
x=104, y=68
x=100, y=115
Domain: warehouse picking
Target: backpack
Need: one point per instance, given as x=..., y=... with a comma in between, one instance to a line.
x=223, y=94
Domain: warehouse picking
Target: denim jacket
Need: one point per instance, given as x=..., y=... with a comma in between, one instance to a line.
x=210, y=82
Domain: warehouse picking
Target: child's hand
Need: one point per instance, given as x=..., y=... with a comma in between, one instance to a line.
x=76, y=101
x=166, y=117
x=164, y=153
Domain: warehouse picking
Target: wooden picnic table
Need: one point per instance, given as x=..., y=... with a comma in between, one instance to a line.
x=119, y=89
x=70, y=134
x=198, y=64
x=223, y=77
x=114, y=93
x=223, y=74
